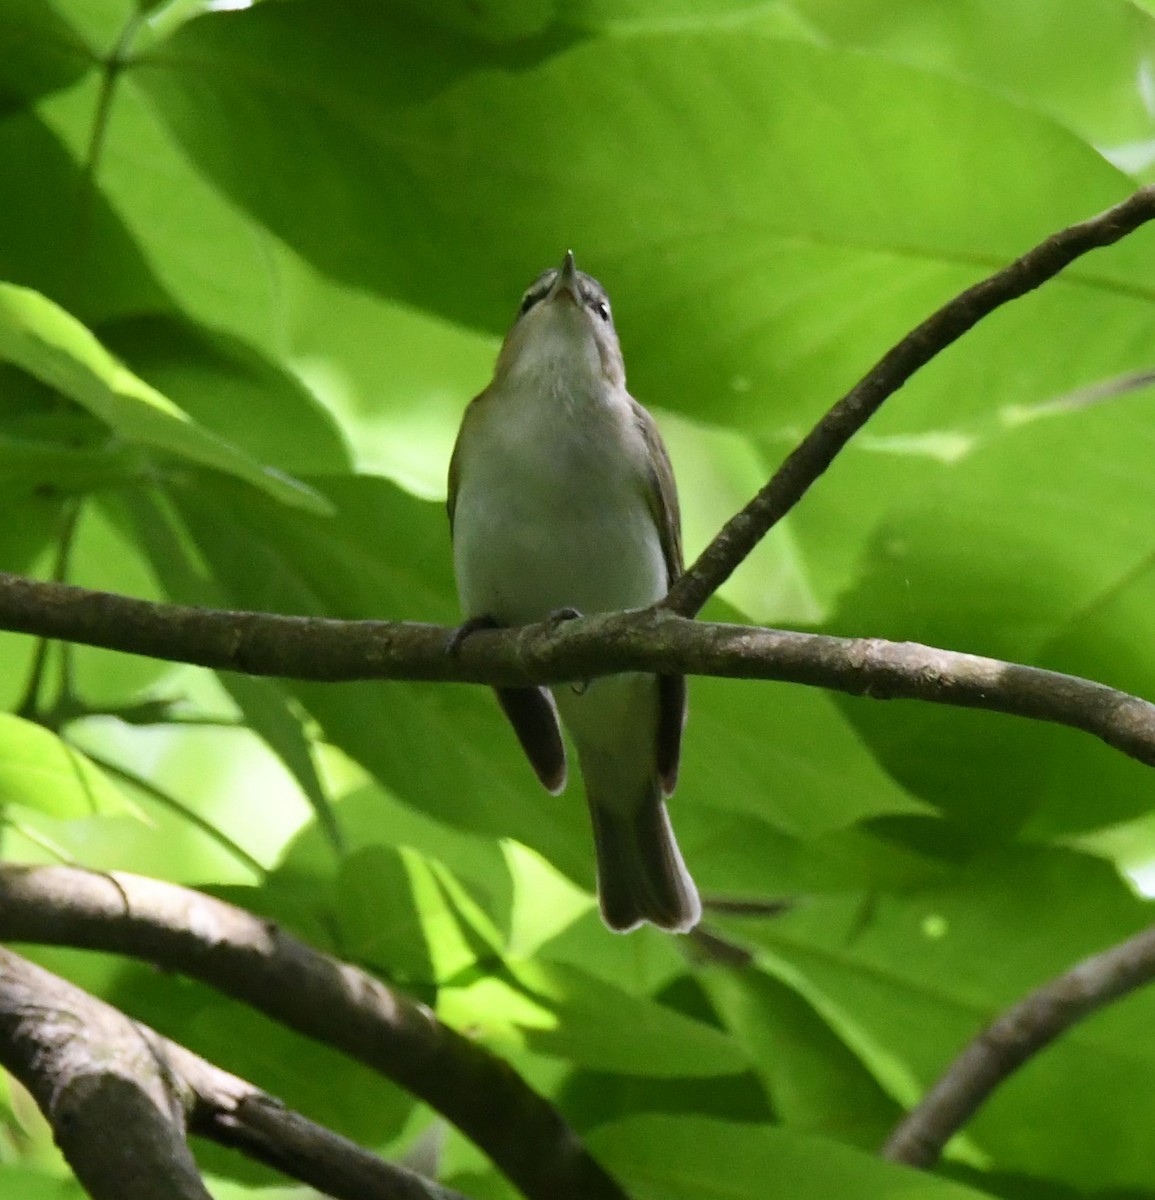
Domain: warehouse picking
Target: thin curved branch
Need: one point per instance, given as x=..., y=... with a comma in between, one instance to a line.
x=1021, y=1032
x=234, y=1113
x=255, y=962
x=819, y=448
x=121, y=1099
x=649, y=640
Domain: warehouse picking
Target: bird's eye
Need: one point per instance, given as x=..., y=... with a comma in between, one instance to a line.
x=602, y=309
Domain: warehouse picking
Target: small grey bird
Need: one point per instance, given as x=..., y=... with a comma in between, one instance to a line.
x=561, y=497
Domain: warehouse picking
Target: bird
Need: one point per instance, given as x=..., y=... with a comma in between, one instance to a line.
x=562, y=502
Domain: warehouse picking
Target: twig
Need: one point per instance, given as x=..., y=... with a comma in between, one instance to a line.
x=818, y=449
x=255, y=962
x=650, y=640
x=121, y=1099
x=1012, y=1039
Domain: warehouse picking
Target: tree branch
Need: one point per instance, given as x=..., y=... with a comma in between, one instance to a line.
x=97, y=1079
x=819, y=448
x=234, y=1113
x=651, y=640
x=1022, y=1031
x=121, y=1098
x=257, y=963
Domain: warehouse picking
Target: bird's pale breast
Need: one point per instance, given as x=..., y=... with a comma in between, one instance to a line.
x=552, y=509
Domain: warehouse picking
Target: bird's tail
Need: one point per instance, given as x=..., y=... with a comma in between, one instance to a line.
x=641, y=875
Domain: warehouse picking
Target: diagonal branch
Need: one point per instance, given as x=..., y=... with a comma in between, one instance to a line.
x=821, y=445
x=114, y=1113
x=121, y=1099
x=652, y=640
x=1021, y=1032
x=255, y=962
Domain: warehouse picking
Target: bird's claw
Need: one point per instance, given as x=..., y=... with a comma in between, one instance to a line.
x=466, y=630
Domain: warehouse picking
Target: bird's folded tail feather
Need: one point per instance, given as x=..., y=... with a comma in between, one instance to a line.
x=641, y=874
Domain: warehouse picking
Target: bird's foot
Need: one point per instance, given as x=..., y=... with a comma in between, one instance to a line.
x=560, y=616
x=466, y=630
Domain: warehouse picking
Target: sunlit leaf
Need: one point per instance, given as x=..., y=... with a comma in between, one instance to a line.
x=39, y=771
x=44, y=340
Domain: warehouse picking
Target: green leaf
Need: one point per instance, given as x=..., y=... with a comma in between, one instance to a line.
x=41, y=772
x=680, y=1158
x=1001, y=44
x=59, y=236
x=812, y=203
x=561, y=1011
x=814, y=1080
x=41, y=51
x=381, y=880
x=100, y=22
x=30, y=1184
x=227, y=387
x=24, y=461
x=1040, y=531
x=371, y=818
x=44, y=340
x=906, y=980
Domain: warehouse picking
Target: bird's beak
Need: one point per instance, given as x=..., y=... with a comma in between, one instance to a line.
x=567, y=280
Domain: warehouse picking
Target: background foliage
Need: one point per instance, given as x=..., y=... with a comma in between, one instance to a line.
x=270, y=254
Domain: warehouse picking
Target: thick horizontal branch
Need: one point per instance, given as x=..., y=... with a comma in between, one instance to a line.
x=818, y=449
x=651, y=640
x=121, y=1099
x=1012, y=1039
x=255, y=962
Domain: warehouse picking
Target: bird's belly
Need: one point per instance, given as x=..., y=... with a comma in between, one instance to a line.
x=527, y=543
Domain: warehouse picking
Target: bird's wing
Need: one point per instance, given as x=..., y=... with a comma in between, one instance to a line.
x=661, y=492
x=662, y=497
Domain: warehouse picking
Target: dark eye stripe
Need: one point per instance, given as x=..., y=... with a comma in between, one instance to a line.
x=536, y=291
x=531, y=298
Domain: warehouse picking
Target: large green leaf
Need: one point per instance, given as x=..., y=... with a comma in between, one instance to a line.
x=61, y=237
x=1037, y=532
x=41, y=51
x=681, y=1158
x=371, y=818
x=764, y=243
x=907, y=980
x=44, y=340
x=213, y=262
